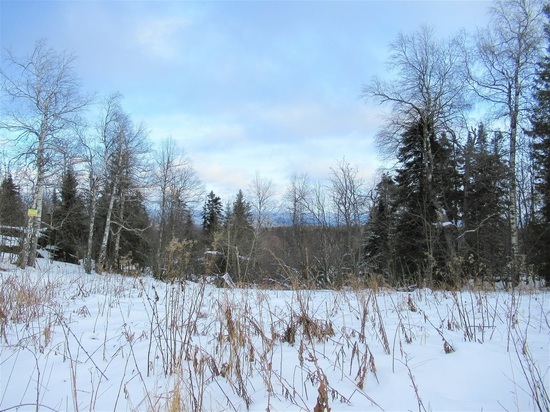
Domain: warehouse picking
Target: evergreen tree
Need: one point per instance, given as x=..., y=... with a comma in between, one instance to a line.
x=415, y=213
x=426, y=205
x=12, y=209
x=447, y=180
x=240, y=218
x=135, y=237
x=485, y=227
x=540, y=121
x=379, y=246
x=68, y=232
x=212, y=215
x=238, y=237
x=179, y=219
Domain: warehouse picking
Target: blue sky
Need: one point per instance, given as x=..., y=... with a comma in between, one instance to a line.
x=268, y=87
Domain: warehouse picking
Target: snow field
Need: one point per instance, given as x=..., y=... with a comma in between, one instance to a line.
x=72, y=341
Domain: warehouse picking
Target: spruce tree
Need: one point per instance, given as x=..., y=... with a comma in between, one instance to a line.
x=212, y=215
x=426, y=206
x=241, y=216
x=12, y=209
x=415, y=212
x=238, y=236
x=68, y=231
x=136, y=236
x=540, y=131
x=485, y=228
x=379, y=246
x=179, y=219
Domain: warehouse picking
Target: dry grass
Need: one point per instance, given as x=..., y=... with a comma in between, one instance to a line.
x=251, y=335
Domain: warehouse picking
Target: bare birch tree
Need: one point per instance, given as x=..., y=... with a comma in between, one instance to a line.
x=42, y=101
x=348, y=195
x=122, y=143
x=261, y=192
x=178, y=186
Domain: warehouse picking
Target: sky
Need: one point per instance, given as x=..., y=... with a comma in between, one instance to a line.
x=245, y=87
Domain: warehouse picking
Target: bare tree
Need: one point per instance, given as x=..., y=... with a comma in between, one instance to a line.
x=295, y=197
x=313, y=246
x=43, y=100
x=427, y=85
x=347, y=194
x=349, y=198
x=178, y=187
x=295, y=253
x=501, y=72
x=428, y=89
x=261, y=192
x=123, y=144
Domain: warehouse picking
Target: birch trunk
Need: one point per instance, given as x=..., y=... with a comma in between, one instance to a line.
x=160, y=257
x=91, y=224
x=513, y=206
x=103, y=249
x=30, y=243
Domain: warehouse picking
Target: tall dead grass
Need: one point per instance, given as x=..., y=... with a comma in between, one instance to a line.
x=202, y=341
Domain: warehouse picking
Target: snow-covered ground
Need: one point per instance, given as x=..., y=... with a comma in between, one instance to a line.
x=72, y=341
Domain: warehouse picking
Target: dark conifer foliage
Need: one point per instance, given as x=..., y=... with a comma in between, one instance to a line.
x=239, y=218
x=136, y=236
x=413, y=227
x=68, y=226
x=238, y=237
x=485, y=225
x=212, y=215
x=415, y=213
x=427, y=203
x=455, y=206
x=540, y=121
x=12, y=209
x=179, y=220
x=379, y=246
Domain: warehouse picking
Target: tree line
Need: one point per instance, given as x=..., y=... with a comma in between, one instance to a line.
x=467, y=197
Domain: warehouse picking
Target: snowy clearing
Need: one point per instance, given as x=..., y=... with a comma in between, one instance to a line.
x=72, y=341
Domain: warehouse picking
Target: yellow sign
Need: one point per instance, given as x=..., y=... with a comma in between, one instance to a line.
x=32, y=212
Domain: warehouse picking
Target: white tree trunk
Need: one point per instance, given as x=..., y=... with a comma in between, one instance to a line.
x=30, y=243
x=91, y=224
x=103, y=249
